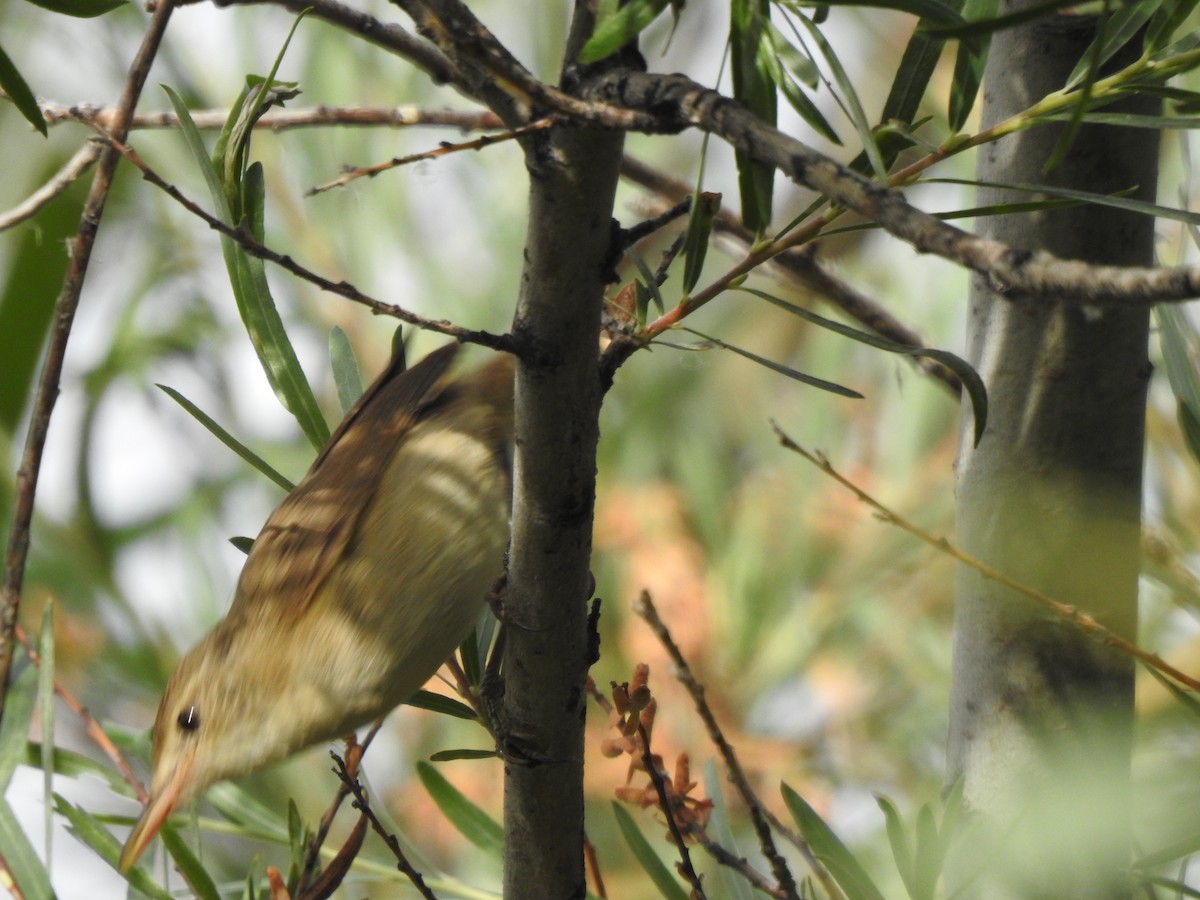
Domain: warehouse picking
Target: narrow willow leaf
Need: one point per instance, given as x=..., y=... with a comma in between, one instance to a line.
x=695, y=243
x=472, y=822
x=733, y=885
x=19, y=93
x=20, y=857
x=1177, y=850
x=1113, y=33
x=615, y=31
x=969, y=65
x=253, y=816
x=18, y=713
x=1091, y=63
x=931, y=10
x=264, y=324
x=188, y=864
x=346, y=375
x=463, y=753
x=977, y=28
x=248, y=279
x=770, y=58
x=1117, y=201
x=898, y=838
x=794, y=59
x=87, y=830
x=226, y=438
x=853, y=105
x=1180, y=343
x=65, y=762
x=243, y=543
x=79, y=9
x=755, y=90
x=927, y=861
x=46, y=715
x=972, y=382
x=666, y=882
x=1165, y=22
x=794, y=374
x=438, y=703
x=842, y=865
x=648, y=279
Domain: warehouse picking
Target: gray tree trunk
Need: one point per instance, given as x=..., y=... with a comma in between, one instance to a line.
x=1041, y=715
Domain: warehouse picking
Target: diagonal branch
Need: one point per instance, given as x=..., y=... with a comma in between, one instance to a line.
x=17, y=551
x=678, y=102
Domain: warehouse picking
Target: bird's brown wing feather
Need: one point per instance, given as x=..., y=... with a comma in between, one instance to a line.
x=307, y=534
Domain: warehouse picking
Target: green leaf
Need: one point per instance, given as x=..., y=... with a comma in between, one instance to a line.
x=930, y=10
x=842, y=865
x=463, y=753
x=1112, y=33
x=91, y=833
x=977, y=28
x=972, y=383
x=969, y=65
x=472, y=822
x=226, y=438
x=346, y=375
x=795, y=375
x=46, y=716
x=662, y=877
x=1116, y=201
x=927, y=865
x=648, y=279
x=65, y=762
x=18, y=713
x=439, y=703
x=705, y=207
x=733, y=885
x=19, y=93
x=1181, y=350
x=1165, y=22
x=852, y=104
x=20, y=857
x=772, y=52
x=189, y=865
x=901, y=851
x=239, y=196
x=755, y=90
x=79, y=9
x=615, y=31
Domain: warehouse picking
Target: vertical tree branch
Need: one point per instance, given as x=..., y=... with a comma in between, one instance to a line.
x=573, y=176
x=64, y=314
x=1041, y=716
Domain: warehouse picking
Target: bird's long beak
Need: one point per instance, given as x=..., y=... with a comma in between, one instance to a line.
x=162, y=803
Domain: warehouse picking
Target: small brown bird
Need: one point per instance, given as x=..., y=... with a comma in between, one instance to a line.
x=361, y=583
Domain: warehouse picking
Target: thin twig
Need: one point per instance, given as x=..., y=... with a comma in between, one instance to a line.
x=71, y=172
x=664, y=802
x=340, y=288
x=91, y=725
x=354, y=755
x=737, y=775
x=362, y=804
x=801, y=267
x=64, y=314
x=1083, y=621
x=356, y=172
x=286, y=119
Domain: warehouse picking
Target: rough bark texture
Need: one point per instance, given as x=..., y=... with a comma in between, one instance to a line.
x=573, y=177
x=1041, y=716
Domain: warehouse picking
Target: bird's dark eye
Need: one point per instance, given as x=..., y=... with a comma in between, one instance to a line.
x=189, y=718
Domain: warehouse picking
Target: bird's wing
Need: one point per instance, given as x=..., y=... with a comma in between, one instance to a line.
x=307, y=534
